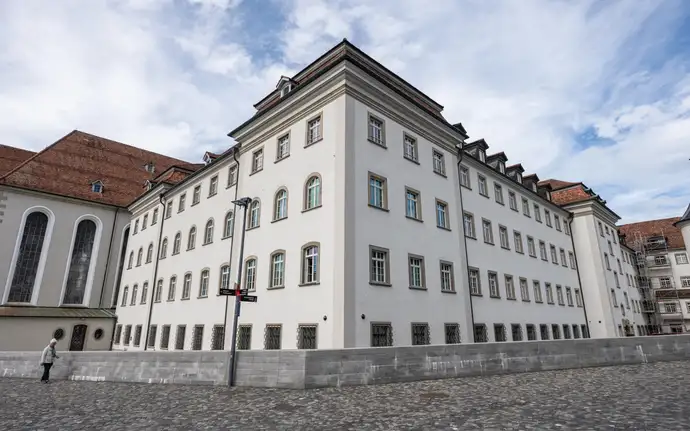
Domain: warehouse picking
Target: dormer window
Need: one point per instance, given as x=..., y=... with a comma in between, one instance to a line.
x=518, y=177
x=502, y=167
x=150, y=167
x=482, y=156
x=207, y=158
x=286, y=89
x=97, y=187
x=548, y=195
x=148, y=184
x=534, y=187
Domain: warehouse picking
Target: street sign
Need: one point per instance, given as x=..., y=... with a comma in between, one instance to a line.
x=232, y=292
x=249, y=298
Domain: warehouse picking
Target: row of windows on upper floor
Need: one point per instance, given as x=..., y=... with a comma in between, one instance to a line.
x=629, y=278
x=488, y=234
x=483, y=188
x=635, y=304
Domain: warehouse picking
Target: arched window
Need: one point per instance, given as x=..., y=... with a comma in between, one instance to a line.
x=177, y=243
x=254, y=214
x=203, y=284
x=134, y=295
x=144, y=292
x=280, y=205
x=250, y=274
x=131, y=260
x=191, y=239
x=312, y=192
x=310, y=263
x=171, y=288
x=80, y=262
x=125, y=292
x=225, y=277
x=277, y=270
x=164, y=248
x=28, y=258
x=140, y=255
x=187, y=286
x=208, y=232
x=229, y=224
x=149, y=253
x=158, y=294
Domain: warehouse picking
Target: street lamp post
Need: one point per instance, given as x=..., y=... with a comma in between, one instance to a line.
x=244, y=203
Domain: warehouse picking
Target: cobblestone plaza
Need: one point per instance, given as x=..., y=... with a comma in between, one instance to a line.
x=646, y=397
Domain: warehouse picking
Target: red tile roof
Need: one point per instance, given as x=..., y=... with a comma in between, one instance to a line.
x=565, y=192
x=11, y=157
x=557, y=184
x=662, y=227
x=70, y=165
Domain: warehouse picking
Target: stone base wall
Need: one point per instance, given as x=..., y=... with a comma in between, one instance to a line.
x=299, y=369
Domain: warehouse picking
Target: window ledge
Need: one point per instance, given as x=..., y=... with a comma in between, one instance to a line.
x=378, y=144
x=278, y=219
x=275, y=287
x=169, y=300
x=202, y=297
x=418, y=288
x=311, y=209
x=414, y=219
x=440, y=174
x=376, y=283
x=526, y=300
x=190, y=248
x=379, y=208
x=511, y=299
x=185, y=299
x=206, y=243
x=253, y=227
x=316, y=141
x=519, y=252
x=416, y=162
x=494, y=296
x=488, y=242
x=210, y=195
x=449, y=291
x=194, y=204
x=444, y=228
x=483, y=195
x=230, y=185
x=281, y=159
x=476, y=294
x=226, y=237
x=467, y=187
x=471, y=237
x=255, y=172
x=313, y=283
x=505, y=248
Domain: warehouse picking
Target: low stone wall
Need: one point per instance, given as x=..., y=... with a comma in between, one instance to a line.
x=299, y=369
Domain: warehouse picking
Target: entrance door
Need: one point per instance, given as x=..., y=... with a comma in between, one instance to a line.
x=78, y=337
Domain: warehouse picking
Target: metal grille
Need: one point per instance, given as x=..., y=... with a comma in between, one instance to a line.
x=531, y=333
x=244, y=337
x=420, y=334
x=165, y=337
x=152, y=335
x=452, y=333
x=272, y=337
x=197, y=337
x=544, y=329
x=576, y=330
x=556, y=331
x=80, y=262
x=585, y=333
x=516, y=331
x=566, y=331
x=128, y=333
x=118, y=334
x=29, y=256
x=499, y=332
x=306, y=337
x=480, y=335
x=381, y=335
x=179, y=337
x=137, y=335
x=218, y=337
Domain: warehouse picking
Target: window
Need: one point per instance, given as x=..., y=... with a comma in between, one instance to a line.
x=165, y=337
x=257, y=160
x=306, y=337
x=196, y=195
x=681, y=259
x=498, y=193
x=442, y=215
x=197, y=337
x=123, y=301
x=168, y=209
x=615, y=276
x=537, y=213
x=97, y=187
x=554, y=256
x=512, y=201
x=80, y=262
x=280, y=203
x=378, y=193
x=118, y=334
x=613, y=233
x=556, y=331
x=569, y=296
x=381, y=335
x=420, y=334
x=614, y=300
x=203, y=284
x=557, y=221
x=606, y=259
x=549, y=293
x=217, y=337
x=313, y=193
x=542, y=250
x=254, y=214
x=524, y=289
x=517, y=237
x=503, y=237
x=136, y=227
x=665, y=282
x=610, y=248
x=566, y=228
x=187, y=286
x=229, y=224
x=225, y=277
x=128, y=333
x=272, y=337
x=376, y=131
x=177, y=243
x=171, y=288
x=410, y=149
x=232, y=175
x=571, y=257
x=250, y=274
x=525, y=207
x=547, y=216
x=468, y=223
x=310, y=264
x=213, y=187
x=137, y=335
x=510, y=287
x=439, y=163
x=487, y=231
x=191, y=238
x=164, y=248
x=685, y=281
x=277, y=269
x=208, y=232
x=500, y=333
x=158, y=294
x=563, y=261
x=416, y=271
x=669, y=308
x=544, y=330
x=627, y=301
x=283, y=147
x=494, y=291
x=181, y=202
x=447, y=277
x=144, y=292
x=531, y=248
x=464, y=177
x=144, y=222
x=149, y=253
x=660, y=260
x=379, y=271
x=516, y=331
x=559, y=295
x=601, y=229
x=480, y=335
x=531, y=332
x=566, y=331
x=314, y=130
x=481, y=181
x=536, y=286
x=452, y=332
x=140, y=256
x=475, y=282
x=154, y=217
x=152, y=335
x=412, y=204
x=244, y=337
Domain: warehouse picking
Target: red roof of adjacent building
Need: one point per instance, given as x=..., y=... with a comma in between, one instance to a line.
x=11, y=157
x=646, y=229
x=72, y=164
x=565, y=192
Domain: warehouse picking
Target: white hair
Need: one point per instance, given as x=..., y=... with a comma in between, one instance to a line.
x=53, y=341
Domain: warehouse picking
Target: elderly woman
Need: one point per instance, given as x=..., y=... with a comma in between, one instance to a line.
x=47, y=358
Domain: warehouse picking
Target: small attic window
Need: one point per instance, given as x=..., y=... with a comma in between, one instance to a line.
x=207, y=158
x=518, y=177
x=502, y=167
x=150, y=167
x=482, y=155
x=534, y=187
x=97, y=187
x=287, y=87
x=148, y=184
x=548, y=195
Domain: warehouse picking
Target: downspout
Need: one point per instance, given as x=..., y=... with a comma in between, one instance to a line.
x=107, y=260
x=232, y=240
x=464, y=237
x=577, y=270
x=154, y=282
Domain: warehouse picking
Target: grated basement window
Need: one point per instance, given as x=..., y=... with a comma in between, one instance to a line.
x=381, y=335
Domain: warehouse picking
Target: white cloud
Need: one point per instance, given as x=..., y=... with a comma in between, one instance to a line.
x=175, y=76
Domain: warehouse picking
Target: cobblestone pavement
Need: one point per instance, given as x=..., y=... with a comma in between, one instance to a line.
x=653, y=397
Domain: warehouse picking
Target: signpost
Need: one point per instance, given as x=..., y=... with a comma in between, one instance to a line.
x=242, y=293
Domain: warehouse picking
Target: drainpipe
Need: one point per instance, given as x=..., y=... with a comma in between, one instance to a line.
x=107, y=260
x=577, y=269
x=235, y=150
x=464, y=237
x=154, y=283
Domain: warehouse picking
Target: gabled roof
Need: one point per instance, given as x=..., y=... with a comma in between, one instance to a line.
x=69, y=166
x=661, y=227
x=481, y=143
x=516, y=167
x=498, y=156
x=557, y=184
x=11, y=157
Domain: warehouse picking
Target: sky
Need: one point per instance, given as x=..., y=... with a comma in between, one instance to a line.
x=591, y=91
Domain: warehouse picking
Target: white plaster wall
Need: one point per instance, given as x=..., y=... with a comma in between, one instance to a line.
x=635, y=316
x=37, y=332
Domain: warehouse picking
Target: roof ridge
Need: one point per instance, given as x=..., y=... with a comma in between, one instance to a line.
x=38, y=153
x=128, y=145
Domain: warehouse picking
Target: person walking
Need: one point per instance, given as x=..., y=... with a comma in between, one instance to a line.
x=47, y=358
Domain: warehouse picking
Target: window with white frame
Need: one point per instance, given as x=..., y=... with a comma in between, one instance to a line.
x=442, y=215
x=660, y=260
x=554, y=256
x=191, y=238
x=503, y=237
x=557, y=222
x=196, y=195
x=531, y=248
x=257, y=160
x=524, y=289
x=566, y=228
x=681, y=258
x=542, y=250
x=512, y=200
x=140, y=256
x=225, y=277
x=310, y=264
x=172, y=285
x=149, y=254
x=280, y=205
x=250, y=274
x=465, y=177
x=410, y=148
x=627, y=300
x=525, y=207
x=208, y=232
x=569, y=296
x=378, y=266
x=203, y=284
x=181, y=202
x=481, y=181
x=416, y=271
x=177, y=243
x=376, y=131
x=559, y=295
x=487, y=231
x=685, y=281
x=254, y=214
x=517, y=236
x=549, y=293
x=314, y=131
x=312, y=194
x=578, y=297
x=164, y=249
x=665, y=282
x=601, y=229
x=154, y=217
x=412, y=204
x=144, y=292
x=232, y=175
x=213, y=186
x=468, y=224
x=439, y=162
x=498, y=193
x=125, y=292
x=378, y=195
x=614, y=300
x=510, y=287
x=537, y=213
x=547, y=216
x=447, y=277
x=610, y=248
x=606, y=260
x=229, y=224
x=475, y=282
x=144, y=222
x=563, y=261
x=493, y=285
x=158, y=294
x=571, y=256
x=283, y=147
x=136, y=227
x=278, y=269
x=536, y=286
x=187, y=286
x=168, y=209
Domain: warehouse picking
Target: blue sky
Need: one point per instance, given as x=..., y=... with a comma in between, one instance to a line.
x=592, y=91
